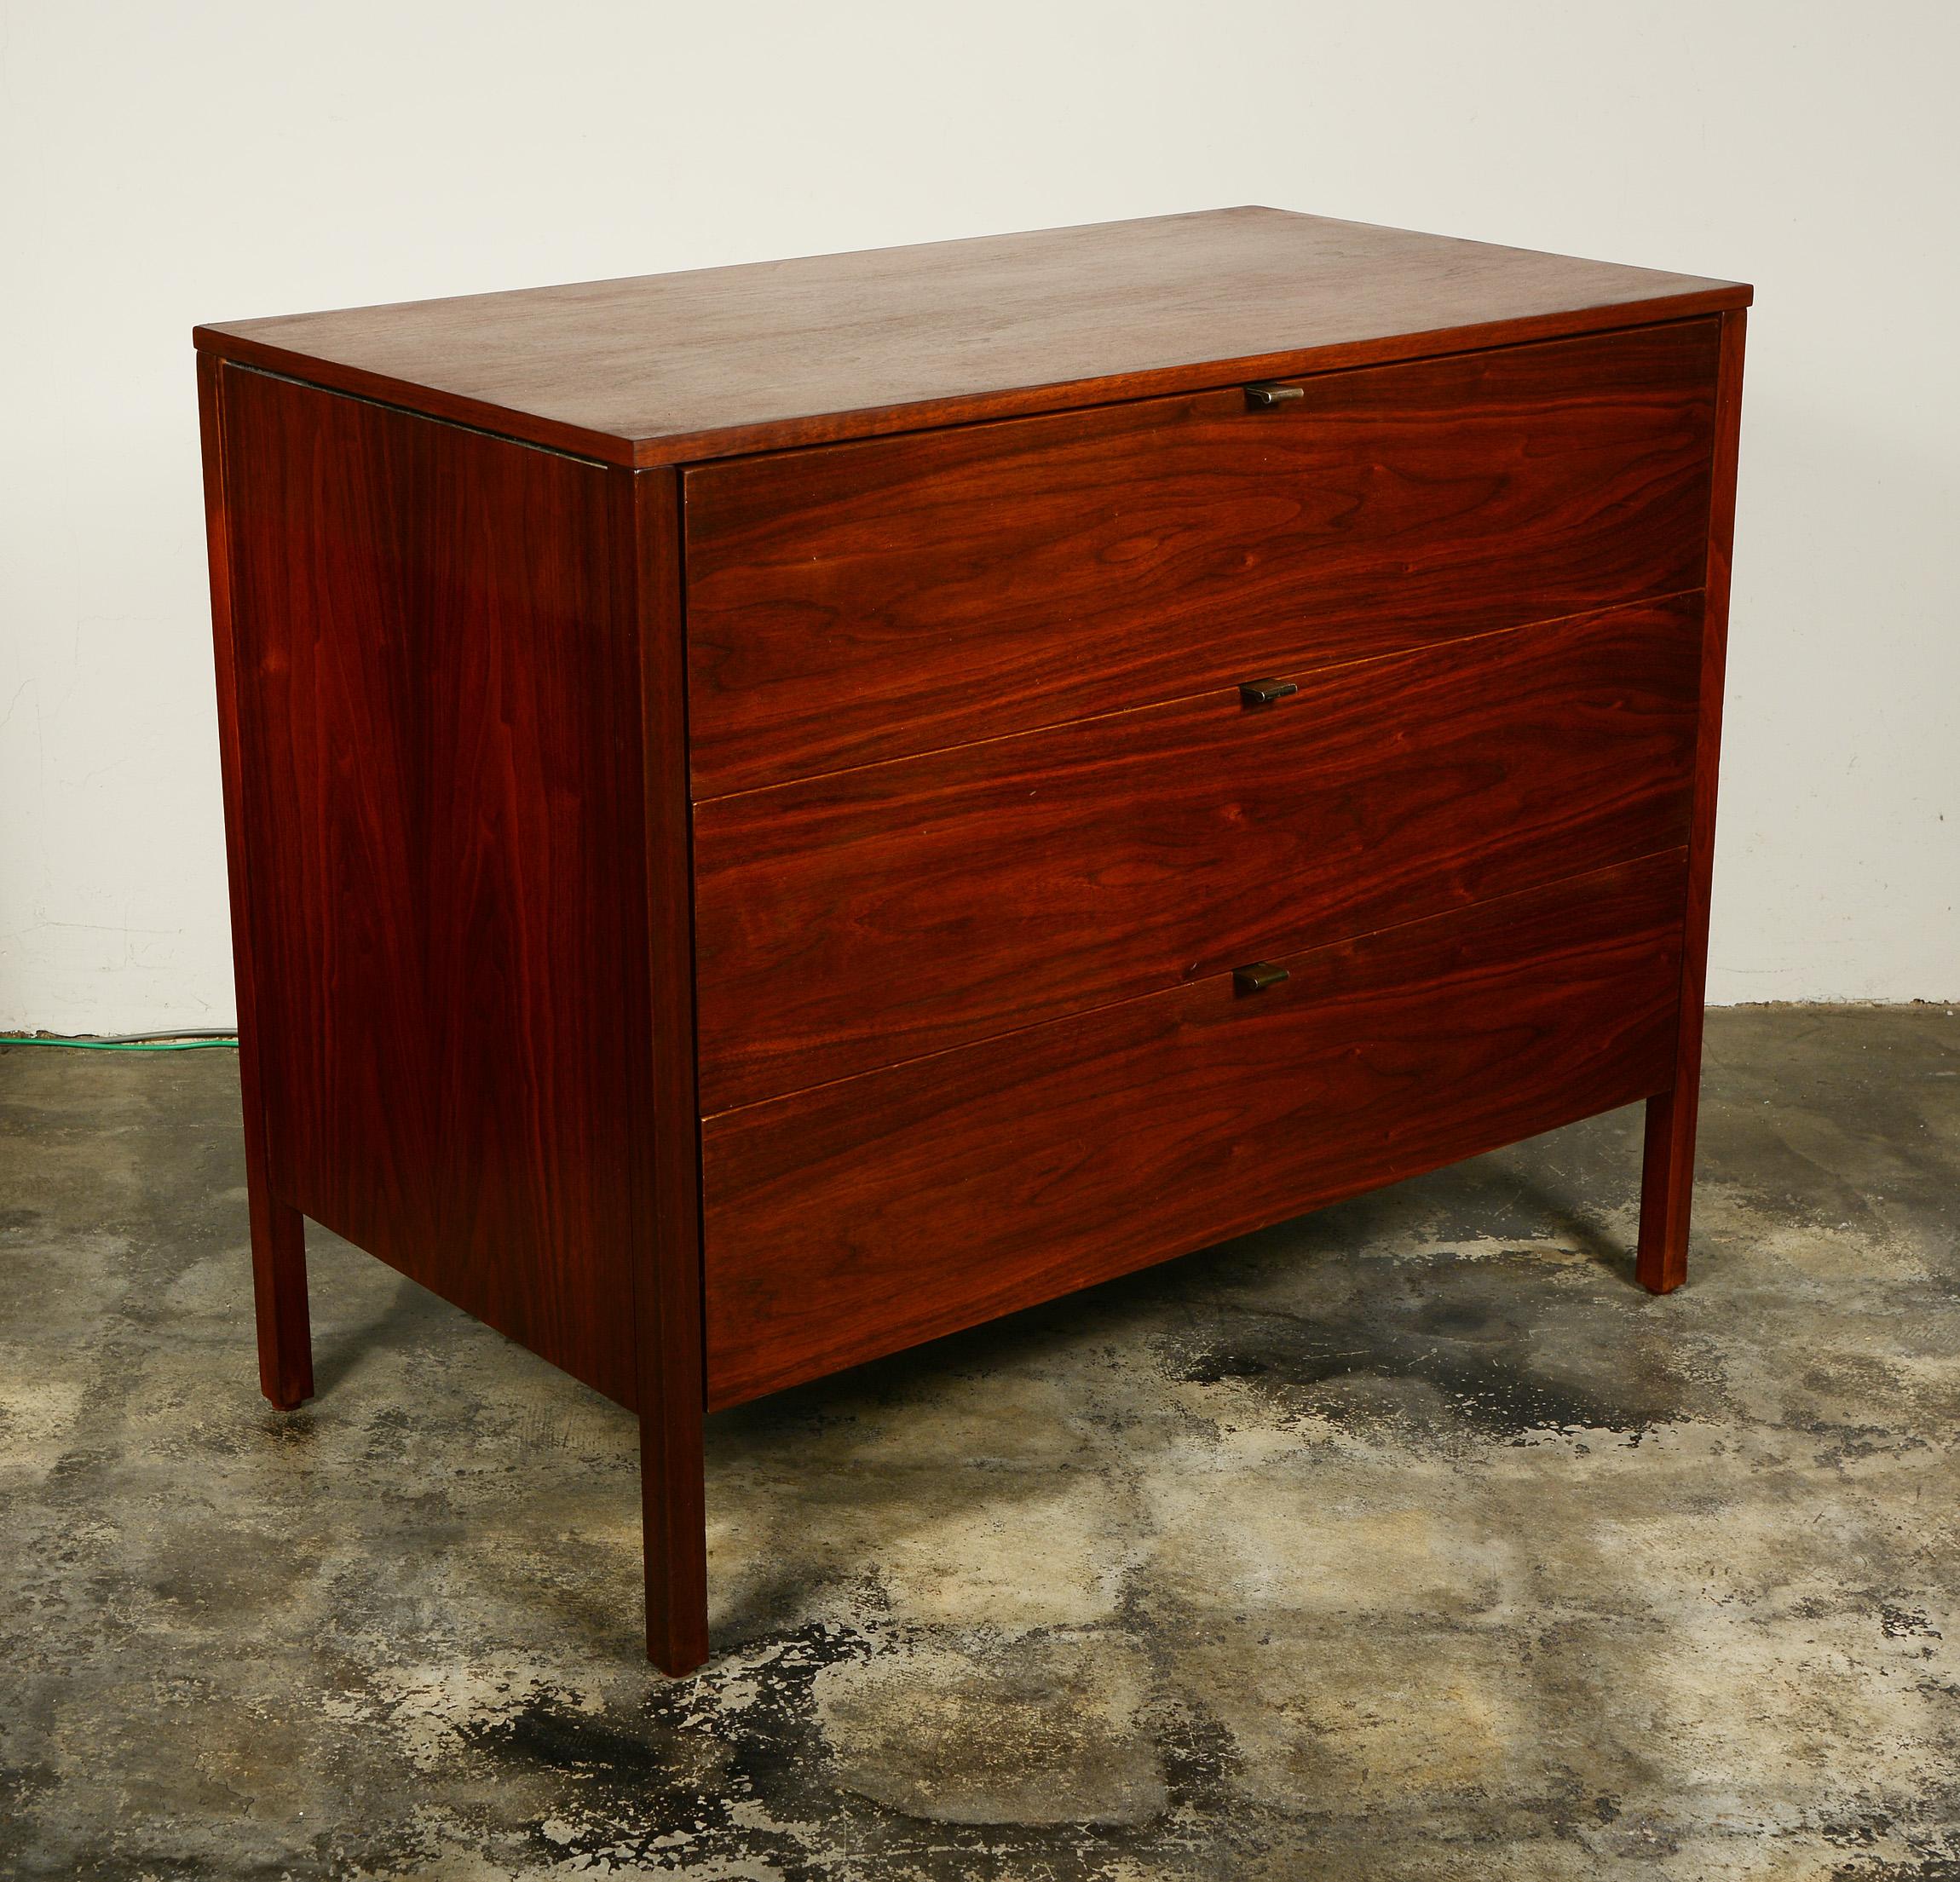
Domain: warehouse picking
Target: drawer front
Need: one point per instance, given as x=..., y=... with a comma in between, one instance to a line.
x=864, y=601
x=854, y=921
x=853, y=1220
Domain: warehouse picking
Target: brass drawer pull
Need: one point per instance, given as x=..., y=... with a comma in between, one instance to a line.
x=1263, y=396
x=1258, y=977
x=1265, y=692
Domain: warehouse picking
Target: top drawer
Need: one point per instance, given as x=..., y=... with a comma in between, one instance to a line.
x=864, y=601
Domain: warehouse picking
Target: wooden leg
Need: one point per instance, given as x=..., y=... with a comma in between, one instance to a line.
x=278, y=1296
x=278, y=1232
x=666, y=1303
x=675, y=1517
x=1667, y=1185
x=1668, y=1169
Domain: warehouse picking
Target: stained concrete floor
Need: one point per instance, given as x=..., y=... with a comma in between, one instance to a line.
x=1409, y=1540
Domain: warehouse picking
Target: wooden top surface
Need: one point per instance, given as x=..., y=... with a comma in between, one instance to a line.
x=670, y=368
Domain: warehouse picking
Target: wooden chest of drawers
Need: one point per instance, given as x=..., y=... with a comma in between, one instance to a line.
x=781, y=812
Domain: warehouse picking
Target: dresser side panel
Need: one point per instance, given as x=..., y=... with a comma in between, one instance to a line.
x=442, y=818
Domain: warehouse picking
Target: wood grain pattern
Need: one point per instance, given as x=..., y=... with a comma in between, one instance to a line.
x=438, y=735
x=1668, y=1167
x=863, y=602
x=856, y=920
x=850, y=1221
x=667, y=1248
x=665, y=368
x=278, y=1229
x=916, y=764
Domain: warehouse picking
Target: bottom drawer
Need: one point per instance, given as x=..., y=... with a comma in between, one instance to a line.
x=850, y=1220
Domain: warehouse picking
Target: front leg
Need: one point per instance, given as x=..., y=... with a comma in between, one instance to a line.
x=1667, y=1185
x=279, y=1289
x=674, y=1517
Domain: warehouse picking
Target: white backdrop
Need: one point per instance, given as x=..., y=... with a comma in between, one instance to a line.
x=167, y=165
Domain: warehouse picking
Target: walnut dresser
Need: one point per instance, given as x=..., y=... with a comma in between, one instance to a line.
x=779, y=812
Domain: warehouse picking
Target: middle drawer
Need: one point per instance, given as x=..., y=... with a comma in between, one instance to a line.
x=872, y=916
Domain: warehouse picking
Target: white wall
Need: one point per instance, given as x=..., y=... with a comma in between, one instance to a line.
x=165, y=164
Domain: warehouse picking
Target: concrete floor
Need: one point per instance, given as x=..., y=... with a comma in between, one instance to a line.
x=1409, y=1540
